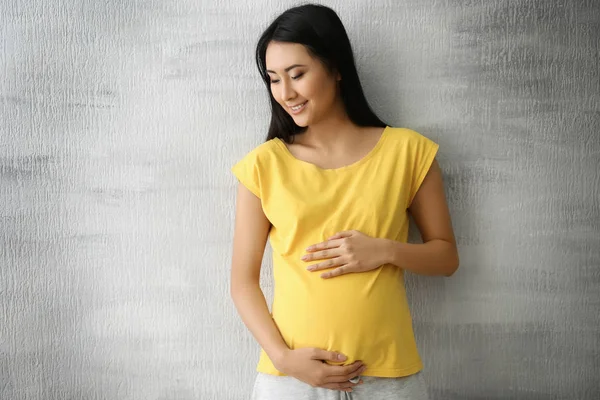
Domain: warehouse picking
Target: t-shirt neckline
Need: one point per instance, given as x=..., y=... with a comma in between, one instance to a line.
x=355, y=164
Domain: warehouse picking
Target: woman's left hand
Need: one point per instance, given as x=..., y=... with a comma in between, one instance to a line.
x=347, y=251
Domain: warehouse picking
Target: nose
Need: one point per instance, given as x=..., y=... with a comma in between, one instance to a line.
x=287, y=91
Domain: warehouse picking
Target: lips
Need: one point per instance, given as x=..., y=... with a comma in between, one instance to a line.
x=298, y=107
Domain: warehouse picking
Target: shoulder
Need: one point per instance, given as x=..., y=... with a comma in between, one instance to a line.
x=265, y=148
x=263, y=151
x=253, y=169
x=402, y=134
x=409, y=138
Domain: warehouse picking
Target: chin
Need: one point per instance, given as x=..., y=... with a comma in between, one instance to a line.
x=301, y=122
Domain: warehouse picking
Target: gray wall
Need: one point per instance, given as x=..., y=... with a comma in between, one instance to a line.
x=119, y=121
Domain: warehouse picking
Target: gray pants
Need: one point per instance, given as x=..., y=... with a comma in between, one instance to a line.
x=271, y=387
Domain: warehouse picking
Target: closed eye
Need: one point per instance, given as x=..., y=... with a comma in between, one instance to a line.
x=293, y=77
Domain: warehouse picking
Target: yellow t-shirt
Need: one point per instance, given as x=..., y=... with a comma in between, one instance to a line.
x=362, y=315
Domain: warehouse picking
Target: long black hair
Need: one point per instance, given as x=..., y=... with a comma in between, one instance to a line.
x=321, y=31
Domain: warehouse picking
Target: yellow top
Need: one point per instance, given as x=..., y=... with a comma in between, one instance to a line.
x=365, y=316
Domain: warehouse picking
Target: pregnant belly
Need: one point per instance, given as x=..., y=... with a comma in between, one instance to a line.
x=361, y=315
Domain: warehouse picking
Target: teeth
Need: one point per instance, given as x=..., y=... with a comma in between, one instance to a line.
x=295, y=108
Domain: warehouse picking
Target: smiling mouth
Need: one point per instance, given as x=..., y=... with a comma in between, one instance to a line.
x=296, y=109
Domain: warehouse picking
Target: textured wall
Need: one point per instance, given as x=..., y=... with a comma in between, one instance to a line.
x=119, y=121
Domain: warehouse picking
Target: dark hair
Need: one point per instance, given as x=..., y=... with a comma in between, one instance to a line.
x=321, y=31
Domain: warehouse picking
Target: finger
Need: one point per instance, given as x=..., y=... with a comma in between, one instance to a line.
x=344, y=373
x=344, y=269
x=320, y=354
x=340, y=235
x=316, y=246
x=319, y=255
x=344, y=378
x=354, y=377
x=328, y=244
x=332, y=262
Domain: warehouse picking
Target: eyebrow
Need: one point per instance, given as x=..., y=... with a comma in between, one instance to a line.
x=288, y=68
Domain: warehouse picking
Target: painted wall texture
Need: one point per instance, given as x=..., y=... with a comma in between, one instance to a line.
x=119, y=121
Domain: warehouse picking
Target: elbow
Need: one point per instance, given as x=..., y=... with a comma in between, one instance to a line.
x=453, y=265
x=234, y=290
x=238, y=286
x=451, y=271
x=235, y=293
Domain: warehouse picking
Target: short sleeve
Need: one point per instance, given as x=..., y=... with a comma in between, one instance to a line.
x=423, y=151
x=247, y=172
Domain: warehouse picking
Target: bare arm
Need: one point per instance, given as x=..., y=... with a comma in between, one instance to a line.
x=437, y=255
x=249, y=240
x=305, y=364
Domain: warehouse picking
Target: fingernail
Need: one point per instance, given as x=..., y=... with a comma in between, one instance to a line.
x=341, y=357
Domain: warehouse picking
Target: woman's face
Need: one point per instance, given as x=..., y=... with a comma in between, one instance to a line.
x=300, y=83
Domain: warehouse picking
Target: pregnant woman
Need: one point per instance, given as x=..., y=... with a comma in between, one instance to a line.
x=332, y=188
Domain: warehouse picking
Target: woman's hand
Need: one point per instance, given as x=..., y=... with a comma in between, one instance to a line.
x=348, y=251
x=307, y=364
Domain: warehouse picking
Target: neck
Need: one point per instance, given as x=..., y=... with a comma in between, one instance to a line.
x=336, y=129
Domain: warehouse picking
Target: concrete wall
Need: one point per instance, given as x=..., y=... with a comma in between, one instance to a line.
x=119, y=121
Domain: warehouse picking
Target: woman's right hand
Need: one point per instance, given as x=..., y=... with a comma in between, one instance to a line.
x=308, y=365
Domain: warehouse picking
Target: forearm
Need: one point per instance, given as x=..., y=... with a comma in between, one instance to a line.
x=436, y=257
x=252, y=307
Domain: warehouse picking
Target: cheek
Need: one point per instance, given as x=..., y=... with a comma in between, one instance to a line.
x=311, y=90
x=323, y=96
x=274, y=94
x=277, y=97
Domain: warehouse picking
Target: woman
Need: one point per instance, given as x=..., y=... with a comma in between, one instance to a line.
x=332, y=188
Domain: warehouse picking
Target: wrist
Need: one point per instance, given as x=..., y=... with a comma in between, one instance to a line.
x=386, y=251
x=279, y=357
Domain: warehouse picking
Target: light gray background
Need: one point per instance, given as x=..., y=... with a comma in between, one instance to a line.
x=119, y=121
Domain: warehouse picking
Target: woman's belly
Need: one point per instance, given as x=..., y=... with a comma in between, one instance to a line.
x=364, y=316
